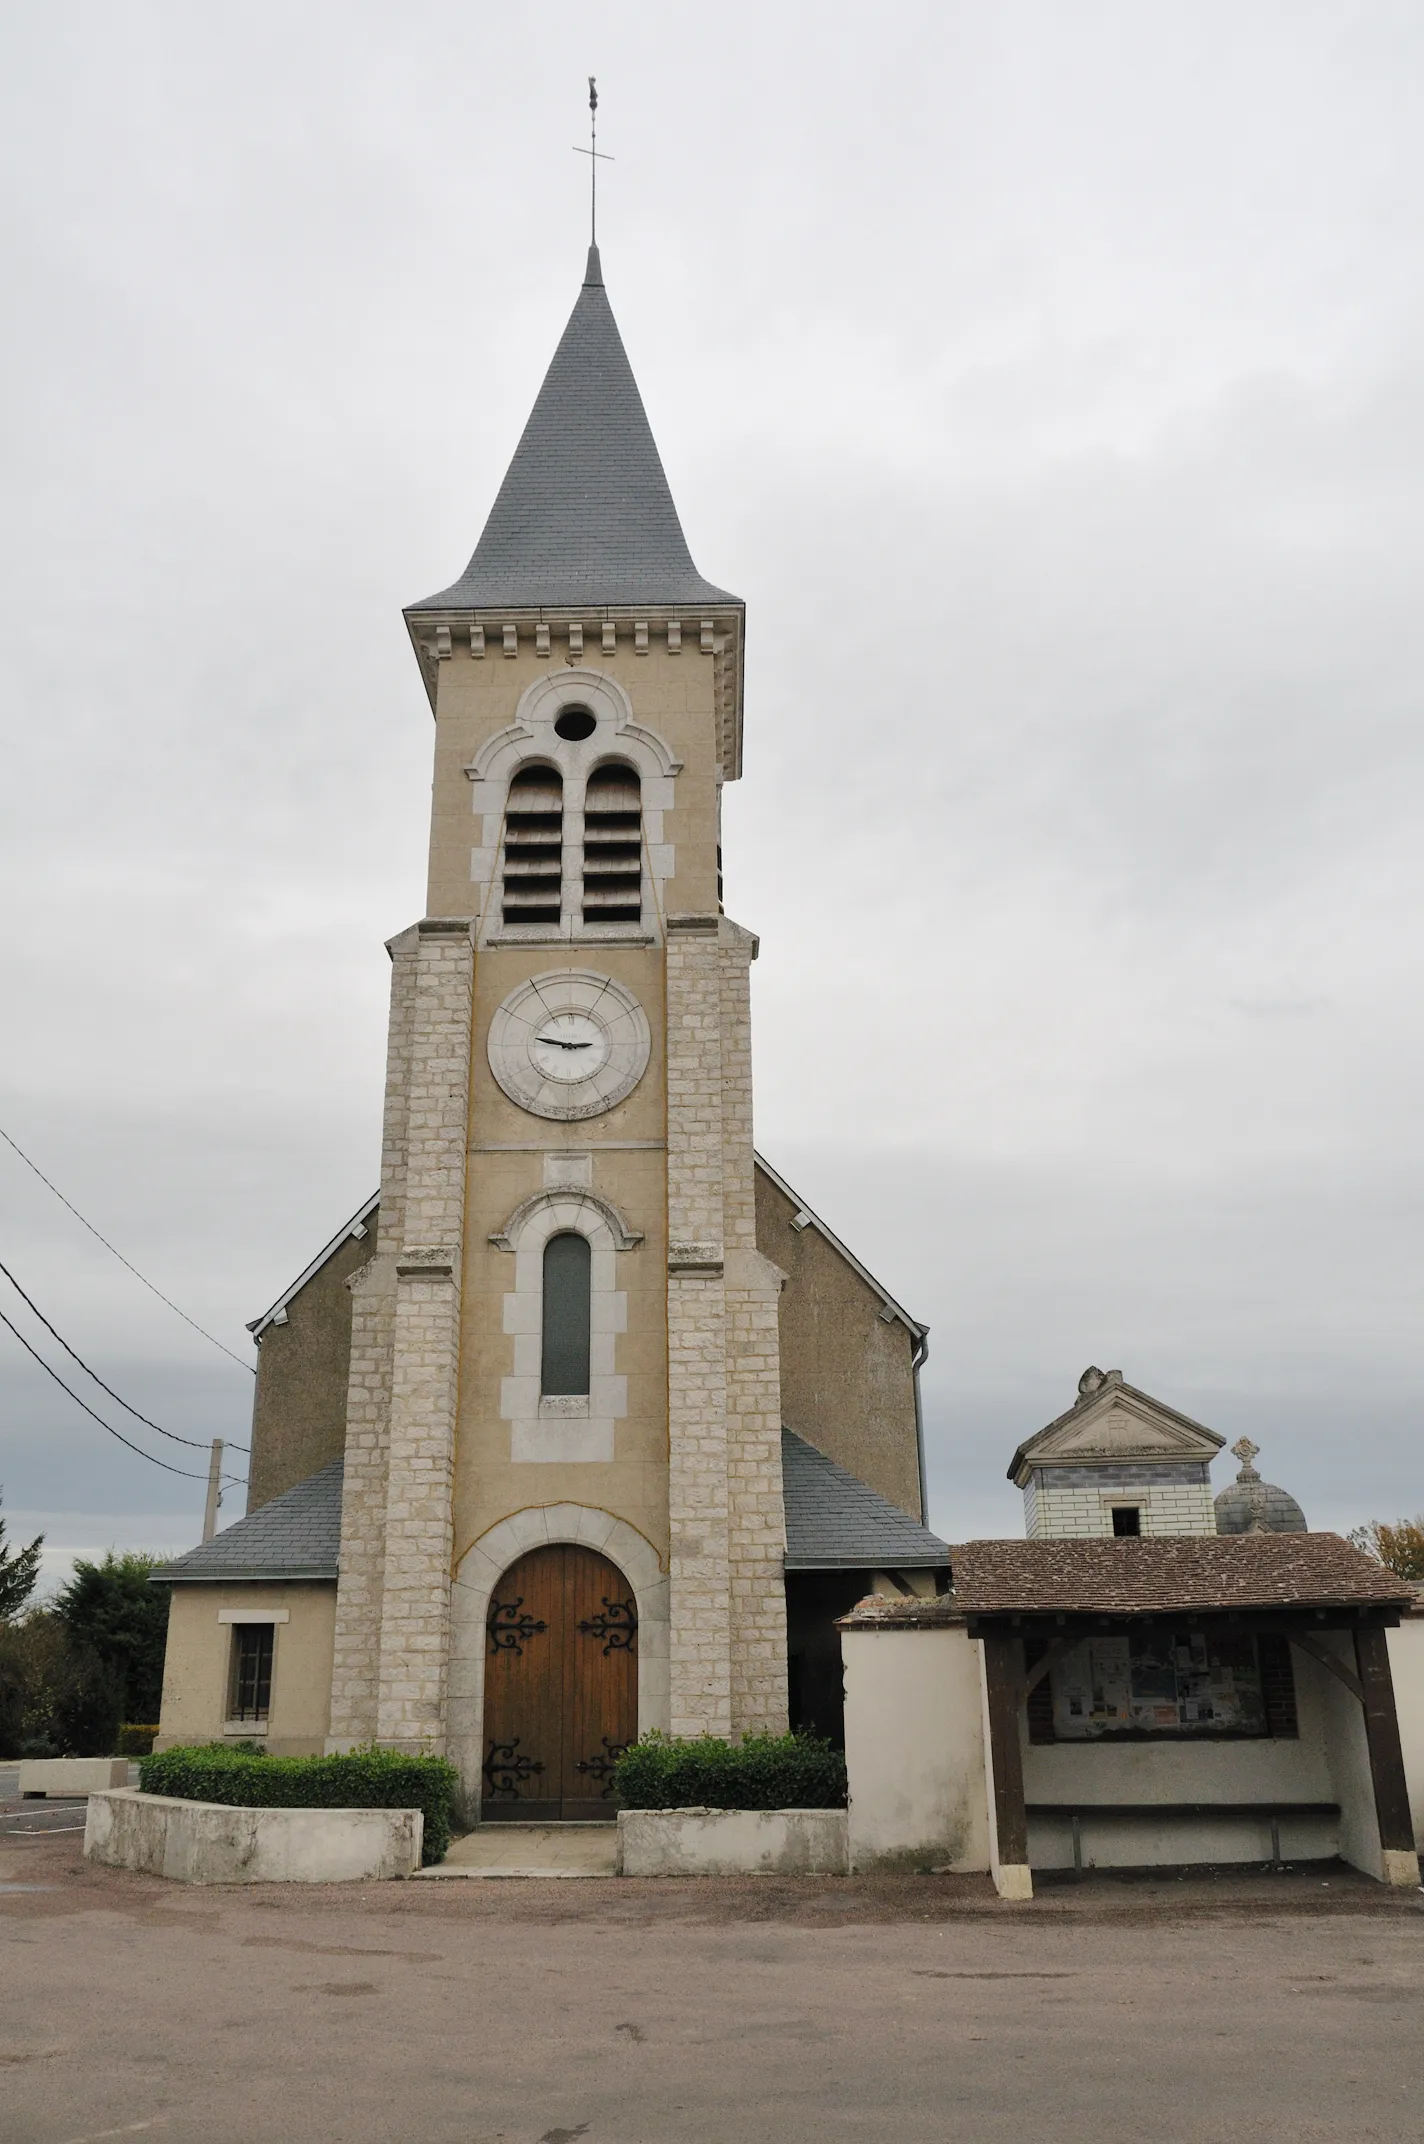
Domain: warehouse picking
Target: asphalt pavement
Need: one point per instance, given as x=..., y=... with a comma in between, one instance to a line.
x=910, y=2010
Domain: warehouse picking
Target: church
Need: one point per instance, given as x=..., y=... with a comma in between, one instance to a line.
x=584, y=1424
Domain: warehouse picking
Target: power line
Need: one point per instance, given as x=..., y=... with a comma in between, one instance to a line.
x=122, y=1260
x=186, y=1473
x=196, y=1442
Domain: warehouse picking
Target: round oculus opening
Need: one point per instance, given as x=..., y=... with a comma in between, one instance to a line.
x=574, y=724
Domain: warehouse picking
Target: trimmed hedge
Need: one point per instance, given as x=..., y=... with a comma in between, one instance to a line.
x=365, y=1779
x=134, y=1740
x=759, y=1772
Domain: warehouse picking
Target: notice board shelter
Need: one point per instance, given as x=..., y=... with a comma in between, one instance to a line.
x=1181, y=1699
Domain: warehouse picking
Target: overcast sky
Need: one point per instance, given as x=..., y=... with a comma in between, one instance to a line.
x=1050, y=382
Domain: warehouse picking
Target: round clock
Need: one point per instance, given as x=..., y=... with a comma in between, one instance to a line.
x=568, y=1044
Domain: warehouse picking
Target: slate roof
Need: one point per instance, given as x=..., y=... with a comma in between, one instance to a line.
x=836, y=1522
x=297, y=1535
x=584, y=515
x=1170, y=1573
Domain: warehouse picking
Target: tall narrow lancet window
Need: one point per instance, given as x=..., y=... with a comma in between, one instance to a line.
x=534, y=846
x=613, y=847
x=568, y=1264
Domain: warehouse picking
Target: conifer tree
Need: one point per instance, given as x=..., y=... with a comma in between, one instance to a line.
x=19, y=1574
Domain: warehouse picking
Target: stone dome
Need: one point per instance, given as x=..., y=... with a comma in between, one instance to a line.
x=1253, y=1506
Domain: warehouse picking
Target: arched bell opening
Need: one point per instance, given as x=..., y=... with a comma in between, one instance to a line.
x=560, y=1687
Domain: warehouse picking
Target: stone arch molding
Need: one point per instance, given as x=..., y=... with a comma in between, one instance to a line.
x=479, y=1571
x=547, y=1212
x=532, y=738
x=567, y=1429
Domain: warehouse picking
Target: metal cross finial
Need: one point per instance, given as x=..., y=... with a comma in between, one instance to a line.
x=596, y=156
x=1244, y=1450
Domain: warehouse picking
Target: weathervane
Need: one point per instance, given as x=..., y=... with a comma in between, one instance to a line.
x=595, y=156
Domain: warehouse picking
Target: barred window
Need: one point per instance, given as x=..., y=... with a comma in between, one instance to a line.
x=568, y=1272
x=613, y=847
x=251, y=1696
x=534, y=847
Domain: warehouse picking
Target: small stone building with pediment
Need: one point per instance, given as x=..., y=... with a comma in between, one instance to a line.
x=1117, y=1463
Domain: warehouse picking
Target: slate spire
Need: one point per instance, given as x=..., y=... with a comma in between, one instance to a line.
x=584, y=515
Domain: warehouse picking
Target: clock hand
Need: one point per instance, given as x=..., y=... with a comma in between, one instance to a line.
x=558, y=1042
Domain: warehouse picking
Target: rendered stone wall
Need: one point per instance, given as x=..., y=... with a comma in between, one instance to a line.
x=1406, y=1664
x=208, y=1842
x=299, y=1407
x=915, y=1749
x=847, y=1384
x=197, y=1665
x=732, y=1842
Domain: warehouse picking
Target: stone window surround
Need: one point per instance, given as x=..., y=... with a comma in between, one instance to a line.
x=531, y=738
x=565, y=1429
x=479, y=1571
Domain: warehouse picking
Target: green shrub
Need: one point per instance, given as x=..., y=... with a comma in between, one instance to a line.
x=135, y=1741
x=366, y=1779
x=760, y=1772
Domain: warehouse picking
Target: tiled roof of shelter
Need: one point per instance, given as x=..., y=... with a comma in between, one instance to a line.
x=584, y=515
x=834, y=1521
x=297, y=1535
x=1169, y=1573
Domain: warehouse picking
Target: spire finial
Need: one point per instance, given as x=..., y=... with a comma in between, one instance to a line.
x=596, y=156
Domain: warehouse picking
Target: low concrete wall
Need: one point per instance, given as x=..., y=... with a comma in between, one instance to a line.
x=207, y=1842
x=732, y=1842
x=72, y=1775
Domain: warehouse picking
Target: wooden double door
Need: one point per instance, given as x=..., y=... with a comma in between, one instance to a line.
x=561, y=1687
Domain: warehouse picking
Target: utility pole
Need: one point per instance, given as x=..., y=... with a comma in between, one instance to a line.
x=210, y=1514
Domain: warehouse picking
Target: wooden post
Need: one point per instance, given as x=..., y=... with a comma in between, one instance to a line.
x=210, y=1512
x=1396, y=1825
x=1003, y=1691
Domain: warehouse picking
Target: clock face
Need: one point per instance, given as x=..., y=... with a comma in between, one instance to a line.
x=568, y=1044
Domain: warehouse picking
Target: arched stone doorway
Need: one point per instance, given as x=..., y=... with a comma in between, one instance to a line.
x=560, y=1686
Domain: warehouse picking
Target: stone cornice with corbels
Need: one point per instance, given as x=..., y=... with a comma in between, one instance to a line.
x=582, y=636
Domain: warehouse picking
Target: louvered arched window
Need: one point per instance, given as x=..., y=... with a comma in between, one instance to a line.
x=613, y=847
x=568, y=1275
x=534, y=846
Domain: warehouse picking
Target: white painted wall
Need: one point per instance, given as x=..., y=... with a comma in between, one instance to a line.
x=916, y=1753
x=1348, y=1750
x=915, y=1749
x=732, y=1842
x=1406, y=1665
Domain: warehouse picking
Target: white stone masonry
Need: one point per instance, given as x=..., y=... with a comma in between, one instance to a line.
x=415, y=1602
x=727, y=1637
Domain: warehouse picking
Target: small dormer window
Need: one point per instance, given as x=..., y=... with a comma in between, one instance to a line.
x=1127, y=1521
x=613, y=847
x=534, y=847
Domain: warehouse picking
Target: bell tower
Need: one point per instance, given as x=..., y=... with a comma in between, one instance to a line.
x=567, y=1339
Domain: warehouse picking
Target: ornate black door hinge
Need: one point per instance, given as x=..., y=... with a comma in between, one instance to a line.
x=510, y=1631
x=617, y=1626
x=602, y=1766
x=506, y=1768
